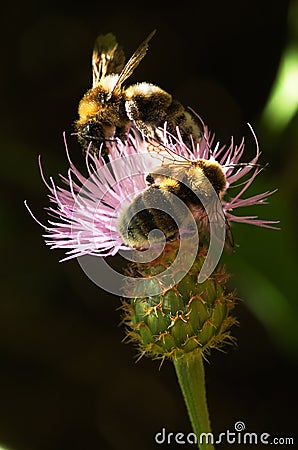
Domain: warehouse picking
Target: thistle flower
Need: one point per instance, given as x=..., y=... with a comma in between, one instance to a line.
x=86, y=212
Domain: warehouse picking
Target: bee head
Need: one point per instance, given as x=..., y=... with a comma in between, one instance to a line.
x=92, y=131
x=94, y=134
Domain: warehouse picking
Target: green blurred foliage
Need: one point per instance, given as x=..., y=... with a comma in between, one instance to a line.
x=265, y=277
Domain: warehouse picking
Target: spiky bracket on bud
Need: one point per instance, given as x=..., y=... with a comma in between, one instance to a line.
x=184, y=318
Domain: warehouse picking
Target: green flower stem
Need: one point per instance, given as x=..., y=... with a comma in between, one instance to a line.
x=191, y=377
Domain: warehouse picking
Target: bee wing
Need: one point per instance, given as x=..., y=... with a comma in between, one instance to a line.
x=107, y=57
x=164, y=156
x=133, y=62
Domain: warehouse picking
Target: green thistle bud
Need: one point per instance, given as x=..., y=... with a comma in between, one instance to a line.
x=183, y=318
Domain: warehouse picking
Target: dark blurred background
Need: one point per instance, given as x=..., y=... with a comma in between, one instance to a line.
x=66, y=379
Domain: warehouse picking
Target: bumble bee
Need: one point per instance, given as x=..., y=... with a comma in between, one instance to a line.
x=155, y=207
x=108, y=110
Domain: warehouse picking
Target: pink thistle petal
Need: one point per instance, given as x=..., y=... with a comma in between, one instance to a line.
x=85, y=212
